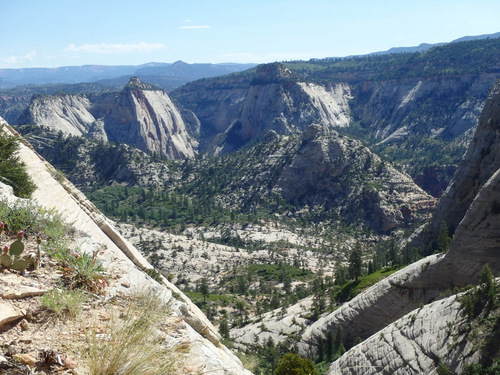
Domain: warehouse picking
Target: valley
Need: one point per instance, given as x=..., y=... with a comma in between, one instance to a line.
x=303, y=206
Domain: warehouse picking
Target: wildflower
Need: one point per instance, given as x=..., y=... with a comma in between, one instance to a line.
x=2, y=225
x=75, y=254
x=5, y=248
x=20, y=233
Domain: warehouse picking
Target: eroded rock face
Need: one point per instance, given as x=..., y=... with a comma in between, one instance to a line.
x=147, y=119
x=378, y=306
x=397, y=108
x=413, y=344
x=288, y=107
x=67, y=113
x=333, y=170
x=273, y=99
x=139, y=115
x=480, y=162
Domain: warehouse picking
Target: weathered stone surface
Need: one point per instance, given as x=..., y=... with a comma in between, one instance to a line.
x=277, y=325
x=63, y=112
x=8, y=313
x=147, y=119
x=25, y=359
x=413, y=344
x=378, y=306
x=21, y=288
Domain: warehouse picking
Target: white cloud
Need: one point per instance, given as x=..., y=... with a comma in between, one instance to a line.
x=115, y=48
x=17, y=60
x=194, y=27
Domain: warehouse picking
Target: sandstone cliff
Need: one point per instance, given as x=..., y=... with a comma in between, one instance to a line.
x=475, y=243
x=205, y=352
x=139, y=115
x=274, y=100
x=67, y=113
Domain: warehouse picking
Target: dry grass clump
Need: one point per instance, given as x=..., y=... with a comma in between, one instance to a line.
x=132, y=342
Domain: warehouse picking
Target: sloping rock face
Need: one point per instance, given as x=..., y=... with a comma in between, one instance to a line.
x=147, y=119
x=476, y=243
x=140, y=116
x=394, y=109
x=67, y=113
x=275, y=102
x=480, y=162
x=378, y=306
x=205, y=350
x=413, y=344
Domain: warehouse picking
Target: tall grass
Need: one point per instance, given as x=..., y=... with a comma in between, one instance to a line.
x=132, y=343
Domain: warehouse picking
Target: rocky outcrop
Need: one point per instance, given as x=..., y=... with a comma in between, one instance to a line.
x=67, y=113
x=274, y=100
x=140, y=115
x=205, y=350
x=395, y=109
x=379, y=305
x=336, y=171
x=414, y=344
x=146, y=118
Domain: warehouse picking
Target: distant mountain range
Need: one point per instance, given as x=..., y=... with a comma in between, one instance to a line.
x=165, y=75
x=425, y=46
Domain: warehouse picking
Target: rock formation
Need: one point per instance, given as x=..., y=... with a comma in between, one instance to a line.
x=479, y=164
x=413, y=344
x=205, y=350
x=140, y=115
x=336, y=171
x=67, y=113
x=274, y=100
x=475, y=243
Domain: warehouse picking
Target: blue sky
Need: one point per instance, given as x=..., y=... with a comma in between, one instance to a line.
x=52, y=33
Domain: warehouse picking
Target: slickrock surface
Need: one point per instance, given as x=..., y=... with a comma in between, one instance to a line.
x=413, y=344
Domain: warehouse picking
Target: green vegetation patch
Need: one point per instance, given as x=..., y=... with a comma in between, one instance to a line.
x=12, y=169
x=278, y=272
x=353, y=288
x=225, y=299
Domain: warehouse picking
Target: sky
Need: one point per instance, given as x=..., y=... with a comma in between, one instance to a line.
x=54, y=33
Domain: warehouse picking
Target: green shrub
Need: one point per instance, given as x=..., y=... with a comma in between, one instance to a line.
x=33, y=220
x=294, y=364
x=84, y=271
x=12, y=170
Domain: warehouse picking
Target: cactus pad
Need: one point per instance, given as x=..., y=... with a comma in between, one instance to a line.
x=19, y=265
x=16, y=248
x=5, y=260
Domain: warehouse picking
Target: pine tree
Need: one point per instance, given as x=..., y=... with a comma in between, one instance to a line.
x=355, y=262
